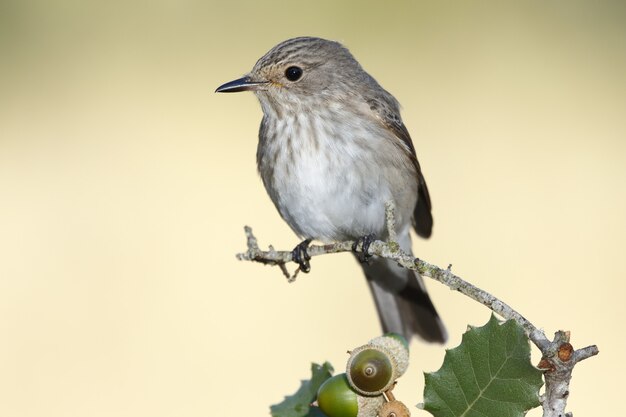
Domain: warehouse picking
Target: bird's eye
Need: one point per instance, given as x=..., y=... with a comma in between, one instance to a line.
x=293, y=73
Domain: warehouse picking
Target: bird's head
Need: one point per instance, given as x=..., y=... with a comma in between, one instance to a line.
x=302, y=69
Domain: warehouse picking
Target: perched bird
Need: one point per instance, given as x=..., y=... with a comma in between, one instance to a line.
x=332, y=151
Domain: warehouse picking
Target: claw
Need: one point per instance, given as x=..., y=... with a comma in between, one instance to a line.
x=364, y=242
x=300, y=255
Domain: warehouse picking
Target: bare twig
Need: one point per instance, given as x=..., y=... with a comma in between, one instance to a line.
x=557, y=363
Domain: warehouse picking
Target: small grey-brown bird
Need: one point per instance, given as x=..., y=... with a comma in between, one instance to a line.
x=332, y=151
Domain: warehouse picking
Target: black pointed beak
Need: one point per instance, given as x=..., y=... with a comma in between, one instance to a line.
x=242, y=84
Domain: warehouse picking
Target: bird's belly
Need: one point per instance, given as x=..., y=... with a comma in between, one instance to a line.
x=340, y=195
x=331, y=203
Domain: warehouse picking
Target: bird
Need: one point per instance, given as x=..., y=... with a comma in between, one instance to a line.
x=332, y=150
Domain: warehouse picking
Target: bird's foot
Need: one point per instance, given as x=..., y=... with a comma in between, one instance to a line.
x=364, y=242
x=300, y=255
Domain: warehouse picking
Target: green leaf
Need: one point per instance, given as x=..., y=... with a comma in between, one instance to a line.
x=488, y=375
x=299, y=404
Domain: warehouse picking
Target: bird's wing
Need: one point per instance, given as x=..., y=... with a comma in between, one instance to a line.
x=388, y=113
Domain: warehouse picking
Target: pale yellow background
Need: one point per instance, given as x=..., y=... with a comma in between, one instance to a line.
x=125, y=183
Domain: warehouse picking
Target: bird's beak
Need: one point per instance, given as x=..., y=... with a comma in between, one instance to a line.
x=242, y=84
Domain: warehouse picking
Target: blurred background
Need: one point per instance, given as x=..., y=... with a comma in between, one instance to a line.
x=125, y=183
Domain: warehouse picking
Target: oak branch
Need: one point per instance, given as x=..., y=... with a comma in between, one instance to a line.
x=558, y=355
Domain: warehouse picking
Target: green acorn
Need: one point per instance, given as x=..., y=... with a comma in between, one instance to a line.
x=373, y=368
x=370, y=370
x=336, y=399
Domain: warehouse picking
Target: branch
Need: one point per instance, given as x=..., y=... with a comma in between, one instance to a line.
x=559, y=357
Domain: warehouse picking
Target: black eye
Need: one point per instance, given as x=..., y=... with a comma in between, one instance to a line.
x=293, y=73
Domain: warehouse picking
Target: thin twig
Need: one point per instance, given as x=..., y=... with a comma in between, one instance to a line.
x=557, y=365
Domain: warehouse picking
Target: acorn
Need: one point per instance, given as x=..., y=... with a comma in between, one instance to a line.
x=373, y=368
x=394, y=408
x=336, y=399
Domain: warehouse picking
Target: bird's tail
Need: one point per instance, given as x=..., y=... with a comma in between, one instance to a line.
x=402, y=301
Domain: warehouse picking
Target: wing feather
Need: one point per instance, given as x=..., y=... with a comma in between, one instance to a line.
x=387, y=110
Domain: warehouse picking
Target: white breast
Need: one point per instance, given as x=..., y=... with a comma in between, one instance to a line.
x=330, y=176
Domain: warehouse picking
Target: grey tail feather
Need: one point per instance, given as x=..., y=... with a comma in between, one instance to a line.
x=406, y=311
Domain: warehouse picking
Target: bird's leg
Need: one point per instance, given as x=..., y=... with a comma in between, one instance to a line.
x=364, y=242
x=301, y=256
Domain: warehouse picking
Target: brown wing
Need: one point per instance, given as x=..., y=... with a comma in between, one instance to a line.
x=388, y=112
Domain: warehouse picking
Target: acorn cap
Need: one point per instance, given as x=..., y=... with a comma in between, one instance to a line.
x=397, y=348
x=370, y=406
x=370, y=370
x=394, y=409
